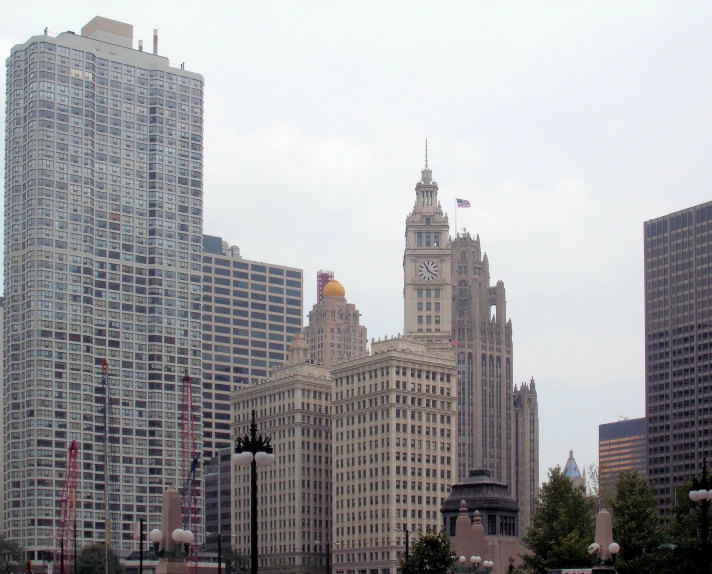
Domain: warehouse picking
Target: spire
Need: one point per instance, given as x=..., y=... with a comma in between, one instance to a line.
x=426, y=175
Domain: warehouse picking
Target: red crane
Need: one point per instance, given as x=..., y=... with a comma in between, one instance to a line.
x=189, y=466
x=64, y=555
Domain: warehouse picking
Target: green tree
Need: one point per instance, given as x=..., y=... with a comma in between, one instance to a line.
x=235, y=563
x=636, y=526
x=684, y=532
x=431, y=553
x=12, y=557
x=91, y=560
x=562, y=528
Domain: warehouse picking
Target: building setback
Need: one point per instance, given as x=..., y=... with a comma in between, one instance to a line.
x=677, y=337
x=295, y=502
x=103, y=231
x=334, y=333
x=251, y=309
x=621, y=446
x=395, y=450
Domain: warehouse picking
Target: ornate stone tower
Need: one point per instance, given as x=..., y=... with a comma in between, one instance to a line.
x=426, y=265
x=484, y=364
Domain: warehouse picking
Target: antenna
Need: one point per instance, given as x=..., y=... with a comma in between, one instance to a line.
x=426, y=153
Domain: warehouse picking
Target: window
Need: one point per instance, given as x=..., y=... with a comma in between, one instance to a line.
x=427, y=221
x=427, y=239
x=420, y=319
x=419, y=239
x=436, y=239
x=492, y=524
x=437, y=305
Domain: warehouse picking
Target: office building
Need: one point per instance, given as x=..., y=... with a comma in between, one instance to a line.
x=334, y=333
x=394, y=450
x=217, y=500
x=103, y=231
x=677, y=335
x=251, y=310
x=426, y=266
x=526, y=452
x=293, y=407
x=621, y=446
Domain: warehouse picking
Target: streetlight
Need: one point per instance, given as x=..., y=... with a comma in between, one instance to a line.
x=219, y=536
x=700, y=493
x=328, y=553
x=406, y=533
x=253, y=450
x=613, y=549
x=475, y=562
x=179, y=536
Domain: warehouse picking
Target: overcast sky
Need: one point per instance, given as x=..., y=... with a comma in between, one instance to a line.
x=565, y=124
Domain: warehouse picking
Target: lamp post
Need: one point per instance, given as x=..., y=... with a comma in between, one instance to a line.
x=613, y=549
x=700, y=493
x=328, y=553
x=219, y=537
x=253, y=450
x=474, y=566
x=406, y=533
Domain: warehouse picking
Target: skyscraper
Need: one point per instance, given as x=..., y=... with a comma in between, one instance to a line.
x=394, y=450
x=295, y=503
x=484, y=363
x=103, y=231
x=426, y=265
x=621, y=446
x=334, y=333
x=677, y=334
x=251, y=309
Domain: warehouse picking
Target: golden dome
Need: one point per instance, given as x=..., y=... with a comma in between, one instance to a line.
x=334, y=289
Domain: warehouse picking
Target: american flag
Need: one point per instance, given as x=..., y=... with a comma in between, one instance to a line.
x=462, y=202
x=452, y=341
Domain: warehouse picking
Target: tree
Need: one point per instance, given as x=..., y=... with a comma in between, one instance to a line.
x=12, y=557
x=562, y=528
x=684, y=533
x=235, y=563
x=91, y=560
x=431, y=553
x=636, y=526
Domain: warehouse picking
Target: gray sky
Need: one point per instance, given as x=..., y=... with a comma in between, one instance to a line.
x=566, y=125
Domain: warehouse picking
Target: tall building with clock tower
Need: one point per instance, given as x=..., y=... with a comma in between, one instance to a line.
x=427, y=266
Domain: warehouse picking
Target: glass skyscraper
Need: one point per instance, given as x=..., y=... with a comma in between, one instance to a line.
x=103, y=247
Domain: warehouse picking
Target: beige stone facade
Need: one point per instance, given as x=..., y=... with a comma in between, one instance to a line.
x=295, y=495
x=426, y=266
x=394, y=450
x=334, y=333
x=526, y=452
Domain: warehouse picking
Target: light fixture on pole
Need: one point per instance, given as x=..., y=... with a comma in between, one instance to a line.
x=700, y=493
x=474, y=565
x=406, y=533
x=253, y=450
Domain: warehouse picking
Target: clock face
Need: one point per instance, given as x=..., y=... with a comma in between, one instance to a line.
x=428, y=271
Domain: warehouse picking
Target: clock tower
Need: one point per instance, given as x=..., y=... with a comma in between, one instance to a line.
x=427, y=265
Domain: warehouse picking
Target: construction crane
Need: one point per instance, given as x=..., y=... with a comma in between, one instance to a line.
x=65, y=554
x=189, y=467
x=112, y=500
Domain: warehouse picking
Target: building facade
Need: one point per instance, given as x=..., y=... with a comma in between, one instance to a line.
x=334, y=333
x=295, y=502
x=103, y=231
x=218, y=488
x=484, y=362
x=621, y=446
x=251, y=310
x=426, y=266
x=526, y=452
x=677, y=359
x=394, y=450
x=572, y=472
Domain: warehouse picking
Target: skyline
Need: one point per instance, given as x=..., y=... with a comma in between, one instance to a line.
x=546, y=129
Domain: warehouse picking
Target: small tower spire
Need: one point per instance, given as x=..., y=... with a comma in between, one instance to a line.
x=426, y=174
x=426, y=153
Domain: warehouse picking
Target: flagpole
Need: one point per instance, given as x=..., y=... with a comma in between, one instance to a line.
x=455, y=218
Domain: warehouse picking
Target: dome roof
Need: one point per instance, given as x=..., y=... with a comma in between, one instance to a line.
x=334, y=289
